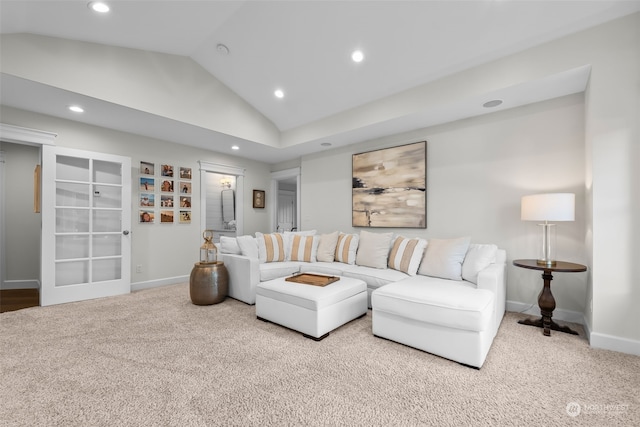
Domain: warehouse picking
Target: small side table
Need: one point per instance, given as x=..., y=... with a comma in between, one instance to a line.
x=208, y=283
x=546, y=302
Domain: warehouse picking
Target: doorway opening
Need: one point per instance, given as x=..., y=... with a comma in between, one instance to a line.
x=286, y=211
x=221, y=196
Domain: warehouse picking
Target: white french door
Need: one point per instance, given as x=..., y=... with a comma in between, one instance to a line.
x=86, y=218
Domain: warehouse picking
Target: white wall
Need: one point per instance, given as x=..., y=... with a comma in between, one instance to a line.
x=613, y=184
x=477, y=171
x=165, y=251
x=21, y=232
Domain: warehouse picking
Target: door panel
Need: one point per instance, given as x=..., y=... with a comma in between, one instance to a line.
x=86, y=215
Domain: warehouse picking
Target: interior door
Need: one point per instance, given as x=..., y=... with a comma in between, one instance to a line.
x=286, y=211
x=86, y=218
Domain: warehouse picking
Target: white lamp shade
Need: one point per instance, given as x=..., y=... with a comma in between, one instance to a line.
x=548, y=207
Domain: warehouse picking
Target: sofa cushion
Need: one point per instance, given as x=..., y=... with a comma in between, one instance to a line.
x=271, y=247
x=302, y=248
x=437, y=301
x=406, y=254
x=375, y=277
x=373, y=249
x=443, y=258
x=274, y=270
x=229, y=245
x=346, y=248
x=327, y=247
x=478, y=258
x=248, y=246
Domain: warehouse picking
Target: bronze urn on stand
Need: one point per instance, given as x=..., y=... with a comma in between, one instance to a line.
x=209, y=281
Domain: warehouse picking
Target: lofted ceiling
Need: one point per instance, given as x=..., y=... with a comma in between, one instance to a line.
x=304, y=48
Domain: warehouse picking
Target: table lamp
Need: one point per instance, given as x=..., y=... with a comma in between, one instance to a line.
x=548, y=207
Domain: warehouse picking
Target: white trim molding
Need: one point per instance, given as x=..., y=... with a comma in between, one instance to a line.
x=20, y=135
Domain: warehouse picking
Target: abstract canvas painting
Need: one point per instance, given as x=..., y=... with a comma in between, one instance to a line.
x=389, y=187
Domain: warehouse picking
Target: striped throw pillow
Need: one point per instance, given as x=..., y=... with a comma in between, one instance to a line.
x=303, y=248
x=406, y=254
x=346, y=248
x=270, y=247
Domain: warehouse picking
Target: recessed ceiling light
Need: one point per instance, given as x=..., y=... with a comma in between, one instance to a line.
x=279, y=93
x=493, y=103
x=76, y=109
x=98, y=6
x=235, y=147
x=357, y=56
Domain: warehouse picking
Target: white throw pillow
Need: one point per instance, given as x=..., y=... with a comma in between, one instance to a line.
x=478, y=258
x=443, y=258
x=373, y=249
x=271, y=247
x=303, y=248
x=248, y=246
x=229, y=245
x=346, y=248
x=327, y=247
x=406, y=254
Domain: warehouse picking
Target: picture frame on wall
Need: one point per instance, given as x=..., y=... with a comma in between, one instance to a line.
x=258, y=199
x=147, y=200
x=185, y=202
x=389, y=187
x=166, y=201
x=147, y=184
x=147, y=168
x=185, y=173
x=185, y=217
x=166, y=217
x=167, y=170
x=166, y=186
x=185, y=187
x=146, y=217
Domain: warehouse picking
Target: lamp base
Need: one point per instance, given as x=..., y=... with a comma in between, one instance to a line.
x=546, y=263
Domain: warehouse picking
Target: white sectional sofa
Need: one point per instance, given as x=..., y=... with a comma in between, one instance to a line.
x=444, y=296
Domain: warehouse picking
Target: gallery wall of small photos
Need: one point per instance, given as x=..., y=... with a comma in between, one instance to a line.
x=164, y=194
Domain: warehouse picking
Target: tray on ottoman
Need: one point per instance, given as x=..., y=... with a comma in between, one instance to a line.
x=312, y=279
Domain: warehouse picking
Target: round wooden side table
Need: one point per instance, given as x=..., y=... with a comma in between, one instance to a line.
x=208, y=283
x=546, y=301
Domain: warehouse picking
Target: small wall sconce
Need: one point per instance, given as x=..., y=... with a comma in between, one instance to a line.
x=225, y=182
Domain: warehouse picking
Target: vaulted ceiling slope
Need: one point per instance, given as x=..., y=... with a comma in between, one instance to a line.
x=158, y=68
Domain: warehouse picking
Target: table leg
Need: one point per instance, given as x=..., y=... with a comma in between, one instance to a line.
x=547, y=304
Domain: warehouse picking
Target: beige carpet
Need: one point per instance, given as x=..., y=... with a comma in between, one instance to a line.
x=153, y=359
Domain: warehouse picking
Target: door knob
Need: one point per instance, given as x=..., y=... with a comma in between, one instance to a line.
x=125, y=232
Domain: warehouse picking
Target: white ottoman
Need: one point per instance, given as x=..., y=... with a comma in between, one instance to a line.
x=313, y=310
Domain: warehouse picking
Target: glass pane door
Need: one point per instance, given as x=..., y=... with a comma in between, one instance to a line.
x=90, y=254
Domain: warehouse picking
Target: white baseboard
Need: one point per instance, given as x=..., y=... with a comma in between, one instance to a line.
x=138, y=286
x=558, y=314
x=596, y=340
x=610, y=342
x=20, y=284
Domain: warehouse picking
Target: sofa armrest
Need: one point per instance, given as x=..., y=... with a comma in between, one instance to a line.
x=493, y=278
x=244, y=276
